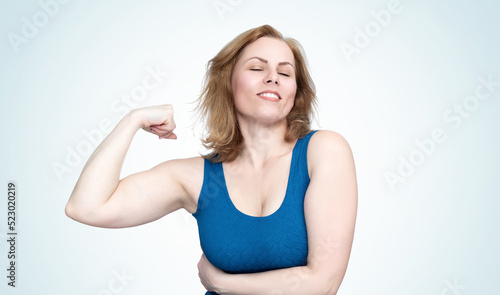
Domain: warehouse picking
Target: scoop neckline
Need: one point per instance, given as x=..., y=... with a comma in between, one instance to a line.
x=276, y=212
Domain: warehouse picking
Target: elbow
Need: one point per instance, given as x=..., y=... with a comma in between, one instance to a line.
x=329, y=286
x=78, y=215
x=321, y=288
x=331, y=289
x=90, y=215
x=70, y=211
x=74, y=210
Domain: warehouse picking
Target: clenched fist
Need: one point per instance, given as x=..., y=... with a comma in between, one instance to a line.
x=158, y=120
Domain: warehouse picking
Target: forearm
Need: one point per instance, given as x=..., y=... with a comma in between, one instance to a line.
x=100, y=175
x=291, y=281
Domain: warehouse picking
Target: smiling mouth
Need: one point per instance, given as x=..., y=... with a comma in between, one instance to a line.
x=269, y=96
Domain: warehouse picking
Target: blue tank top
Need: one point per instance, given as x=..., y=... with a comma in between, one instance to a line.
x=239, y=243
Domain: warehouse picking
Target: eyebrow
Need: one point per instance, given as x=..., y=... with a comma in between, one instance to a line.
x=265, y=61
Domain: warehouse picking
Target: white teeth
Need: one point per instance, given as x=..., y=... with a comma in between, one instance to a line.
x=269, y=95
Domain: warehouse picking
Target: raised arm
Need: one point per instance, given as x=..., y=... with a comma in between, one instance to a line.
x=330, y=208
x=101, y=199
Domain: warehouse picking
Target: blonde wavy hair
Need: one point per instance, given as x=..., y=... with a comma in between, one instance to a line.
x=216, y=104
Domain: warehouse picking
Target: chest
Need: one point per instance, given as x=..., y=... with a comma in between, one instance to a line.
x=237, y=242
x=258, y=192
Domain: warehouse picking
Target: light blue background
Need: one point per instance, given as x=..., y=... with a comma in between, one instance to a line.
x=437, y=228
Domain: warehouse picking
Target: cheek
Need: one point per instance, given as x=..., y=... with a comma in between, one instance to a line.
x=244, y=86
x=239, y=87
x=291, y=90
x=238, y=83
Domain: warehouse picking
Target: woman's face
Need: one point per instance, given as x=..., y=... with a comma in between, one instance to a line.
x=263, y=81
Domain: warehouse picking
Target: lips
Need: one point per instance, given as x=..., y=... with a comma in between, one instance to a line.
x=269, y=95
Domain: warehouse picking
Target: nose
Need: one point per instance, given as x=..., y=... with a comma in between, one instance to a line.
x=272, y=78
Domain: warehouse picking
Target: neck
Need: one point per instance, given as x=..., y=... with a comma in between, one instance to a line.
x=263, y=142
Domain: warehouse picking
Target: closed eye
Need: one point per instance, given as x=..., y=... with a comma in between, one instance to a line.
x=259, y=70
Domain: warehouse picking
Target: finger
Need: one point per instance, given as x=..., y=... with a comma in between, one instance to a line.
x=162, y=129
x=152, y=129
x=161, y=132
x=157, y=128
x=170, y=135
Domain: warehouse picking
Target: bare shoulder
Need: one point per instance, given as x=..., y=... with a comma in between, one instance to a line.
x=328, y=147
x=328, y=137
x=188, y=173
x=327, y=141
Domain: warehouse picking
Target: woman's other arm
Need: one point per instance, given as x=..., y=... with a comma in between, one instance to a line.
x=330, y=208
x=101, y=199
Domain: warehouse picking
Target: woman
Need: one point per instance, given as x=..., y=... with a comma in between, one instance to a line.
x=275, y=202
